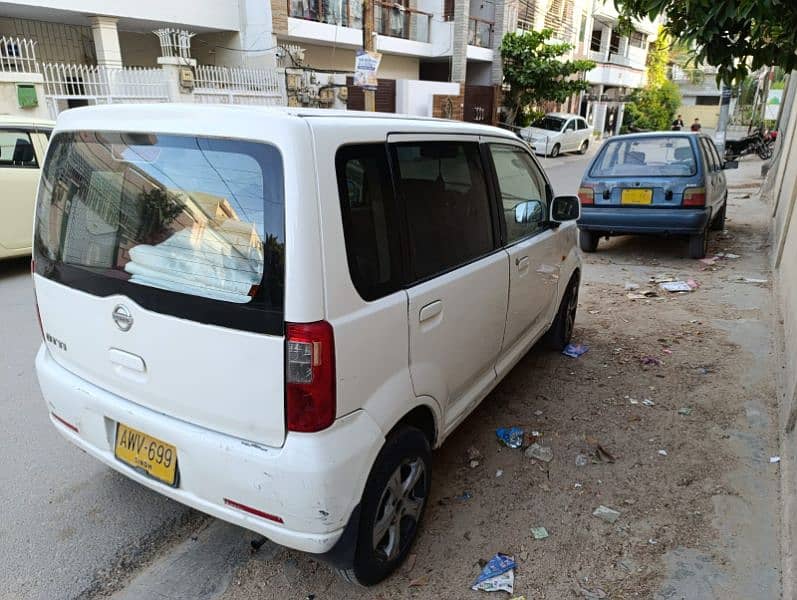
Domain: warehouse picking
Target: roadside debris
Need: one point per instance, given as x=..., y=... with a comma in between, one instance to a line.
x=752, y=280
x=662, y=452
x=543, y=453
x=575, y=350
x=474, y=456
x=685, y=411
x=651, y=360
x=419, y=581
x=604, y=513
x=629, y=285
x=464, y=496
x=774, y=459
x=539, y=533
x=596, y=594
x=499, y=472
x=642, y=295
x=498, y=575
x=710, y=261
x=679, y=286
x=648, y=402
x=512, y=437
x=582, y=460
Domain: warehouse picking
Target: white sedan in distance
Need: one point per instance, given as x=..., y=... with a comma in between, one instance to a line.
x=556, y=133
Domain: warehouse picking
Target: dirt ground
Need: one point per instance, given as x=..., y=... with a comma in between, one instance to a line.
x=691, y=475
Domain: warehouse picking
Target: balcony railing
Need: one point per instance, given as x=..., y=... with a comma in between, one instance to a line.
x=390, y=18
x=346, y=13
x=396, y=20
x=480, y=32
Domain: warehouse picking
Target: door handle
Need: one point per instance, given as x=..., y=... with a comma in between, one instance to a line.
x=522, y=263
x=430, y=311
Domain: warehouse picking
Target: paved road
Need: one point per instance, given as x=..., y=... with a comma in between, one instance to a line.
x=65, y=517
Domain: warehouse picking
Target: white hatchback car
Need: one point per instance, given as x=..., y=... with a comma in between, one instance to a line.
x=558, y=132
x=273, y=315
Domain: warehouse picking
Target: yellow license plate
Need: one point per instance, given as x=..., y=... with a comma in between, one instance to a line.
x=636, y=197
x=146, y=454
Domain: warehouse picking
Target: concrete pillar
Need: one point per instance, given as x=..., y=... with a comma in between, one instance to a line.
x=505, y=21
x=172, y=67
x=623, y=46
x=459, y=60
x=106, y=41
x=606, y=41
x=257, y=38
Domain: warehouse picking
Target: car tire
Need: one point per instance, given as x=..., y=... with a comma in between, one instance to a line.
x=718, y=224
x=698, y=244
x=588, y=240
x=394, y=504
x=555, y=151
x=561, y=331
x=584, y=146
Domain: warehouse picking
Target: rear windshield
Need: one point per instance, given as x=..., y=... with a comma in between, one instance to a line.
x=184, y=225
x=549, y=123
x=664, y=156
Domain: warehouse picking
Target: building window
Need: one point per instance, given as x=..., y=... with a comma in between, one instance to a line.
x=638, y=40
x=707, y=100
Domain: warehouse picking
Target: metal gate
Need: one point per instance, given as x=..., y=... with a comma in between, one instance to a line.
x=479, y=104
x=234, y=85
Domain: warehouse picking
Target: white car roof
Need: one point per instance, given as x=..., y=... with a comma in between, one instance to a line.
x=24, y=121
x=562, y=115
x=204, y=119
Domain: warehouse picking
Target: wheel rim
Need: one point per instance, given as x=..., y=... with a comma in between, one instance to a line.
x=400, y=509
x=555, y=151
x=583, y=147
x=570, y=312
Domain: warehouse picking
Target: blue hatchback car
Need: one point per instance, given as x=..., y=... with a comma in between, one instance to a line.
x=664, y=183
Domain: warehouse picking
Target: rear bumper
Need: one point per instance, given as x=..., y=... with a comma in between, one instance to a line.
x=314, y=482
x=644, y=220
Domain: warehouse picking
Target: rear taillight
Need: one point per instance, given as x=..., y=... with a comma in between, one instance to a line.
x=36, y=298
x=309, y=376
x=694, y=196
x=586, y=195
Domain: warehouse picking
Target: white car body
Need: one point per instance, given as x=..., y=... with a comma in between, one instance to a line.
x=572, y=136
x=23, y=142
x=431, y=349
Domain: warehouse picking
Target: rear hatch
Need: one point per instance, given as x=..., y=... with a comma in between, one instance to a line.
x=643, y=172
x=159, y=269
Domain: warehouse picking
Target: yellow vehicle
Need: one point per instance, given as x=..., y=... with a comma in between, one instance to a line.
x=23, y=142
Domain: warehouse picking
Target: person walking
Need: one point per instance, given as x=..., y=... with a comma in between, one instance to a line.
x=696, y=125
x=678, y=124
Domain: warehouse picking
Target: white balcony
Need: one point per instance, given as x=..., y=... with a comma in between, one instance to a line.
x=616, y=76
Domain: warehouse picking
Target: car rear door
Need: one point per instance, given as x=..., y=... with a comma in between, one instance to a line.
x=531, y=244
x=19, y=174
x=458, y=274
x=159, y=271
x=715, y=176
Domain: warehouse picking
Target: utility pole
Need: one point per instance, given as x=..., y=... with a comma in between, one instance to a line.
x=369, y=45
x=722, y=126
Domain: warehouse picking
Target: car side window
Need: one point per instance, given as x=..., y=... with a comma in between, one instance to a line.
x=522, y=191
x=571, y=125
x=369, y=224
x=582, y=124
x=443, y=189
x=713, y=148
x=16, y=150
x=711, y=161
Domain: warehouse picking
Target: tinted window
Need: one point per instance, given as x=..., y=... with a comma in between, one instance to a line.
x=582, y=124
x=549, y=123
x=522, y=191
x=16, y=150
x=712, y=148
x=711, y=161
x=183, y=225
x=443, y=189
x=366, y=199
x=571, y=125
x=660, y=156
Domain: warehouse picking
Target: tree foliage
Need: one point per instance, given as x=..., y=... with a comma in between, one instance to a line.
x=658, y=59
x=535, y=71
x=733, y=35
x=652, y=108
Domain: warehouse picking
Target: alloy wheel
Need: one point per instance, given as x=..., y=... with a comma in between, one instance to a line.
x=400, y=508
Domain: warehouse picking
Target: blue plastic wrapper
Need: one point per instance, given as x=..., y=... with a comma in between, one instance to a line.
x=575, y=350
x=510, y=436
x=492, y=577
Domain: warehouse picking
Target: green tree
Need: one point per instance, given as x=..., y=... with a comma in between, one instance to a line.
x=658, y=59
x=733, y=35
x=536, y=72
x=652, y=108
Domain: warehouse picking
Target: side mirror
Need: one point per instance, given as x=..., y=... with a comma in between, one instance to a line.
x=731, y=164
x=565, y=208
x=529, y=212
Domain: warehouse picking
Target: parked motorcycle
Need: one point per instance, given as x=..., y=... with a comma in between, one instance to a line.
x=759, y=143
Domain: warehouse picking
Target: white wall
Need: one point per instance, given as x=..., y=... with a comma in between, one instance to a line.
x=415, y=97
x=211, y=14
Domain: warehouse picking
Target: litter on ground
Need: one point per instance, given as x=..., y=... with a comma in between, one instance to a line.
x=685, y=411
x=678, y=286
x=498, y=575
x=539, y=533
x=575, y=350
x=512, y=437
x=662, y=453
x=774, y=459
x=607, y=514
x=543, y=453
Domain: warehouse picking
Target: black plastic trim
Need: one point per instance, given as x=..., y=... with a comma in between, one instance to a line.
x=341, y=555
